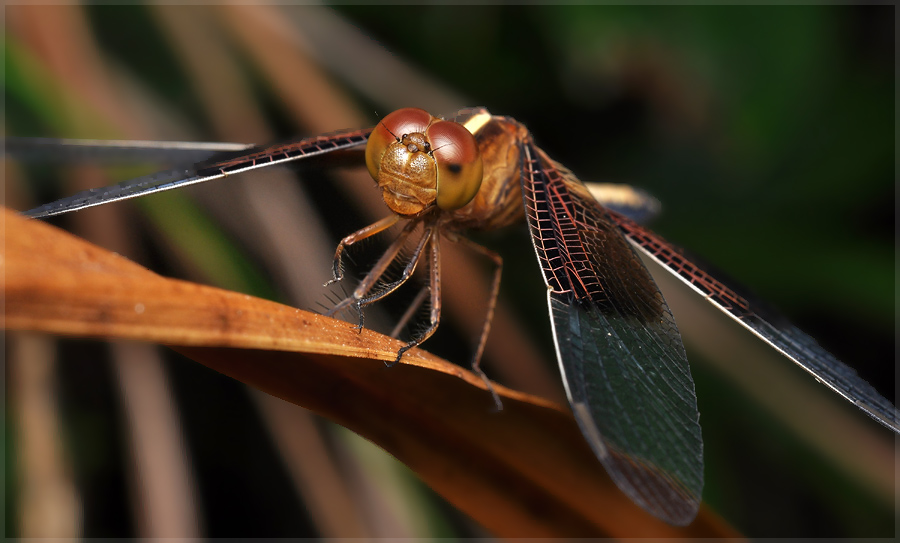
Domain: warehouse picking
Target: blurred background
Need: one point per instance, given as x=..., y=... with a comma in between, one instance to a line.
x=767, y=134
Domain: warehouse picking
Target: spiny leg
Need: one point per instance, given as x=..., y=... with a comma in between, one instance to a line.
x=337, y=271
x=410, y=311
x=489, y=316
x=375, y=273
x=434, y=285
x=408, y=270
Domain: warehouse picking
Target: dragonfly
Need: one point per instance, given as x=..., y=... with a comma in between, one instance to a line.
x=620, y=354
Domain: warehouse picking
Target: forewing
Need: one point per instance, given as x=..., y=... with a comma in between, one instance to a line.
x=214, y=168
x=67, y=151
x=621, y=356
x=765, y=323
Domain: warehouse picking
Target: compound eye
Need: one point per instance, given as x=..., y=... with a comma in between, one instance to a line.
x=408, y=120
x=459, y=166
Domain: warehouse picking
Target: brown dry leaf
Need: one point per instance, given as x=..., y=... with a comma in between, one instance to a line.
x=525, y=471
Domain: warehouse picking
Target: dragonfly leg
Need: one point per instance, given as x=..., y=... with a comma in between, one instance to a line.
x=337, y=272
x=374, y=274
x=408, y=270
x=410, y=311
x=434, y=286
x=489, y=314
x=388, y=288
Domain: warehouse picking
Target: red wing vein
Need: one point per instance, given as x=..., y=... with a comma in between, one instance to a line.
x=764, y=322
x=619, y=351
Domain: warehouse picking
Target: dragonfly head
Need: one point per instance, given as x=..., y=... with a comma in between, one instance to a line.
x=419, y=160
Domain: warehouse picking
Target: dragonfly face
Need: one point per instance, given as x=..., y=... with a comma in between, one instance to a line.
x=419, y=160
x=619, y=350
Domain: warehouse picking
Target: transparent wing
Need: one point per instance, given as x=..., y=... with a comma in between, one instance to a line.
x=465, y=114
x=765, y=323
x=116, y=151
x=636, y=204
x=621, y=356
x=215, y=168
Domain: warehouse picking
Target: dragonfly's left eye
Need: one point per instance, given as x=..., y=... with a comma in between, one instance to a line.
x=459, y=166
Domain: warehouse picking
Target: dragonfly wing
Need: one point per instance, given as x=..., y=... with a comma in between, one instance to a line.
x=139, y=186
x=61, y=150
x=621, y=356
x=634, y=203
x=214, y=168
x=764, y=322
